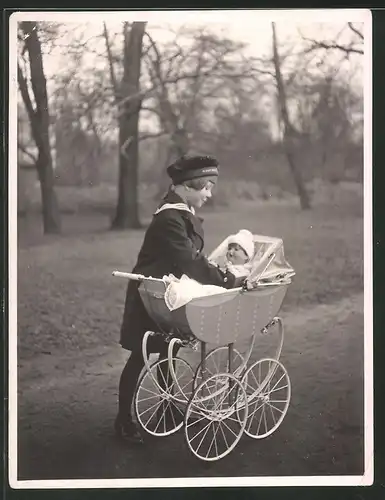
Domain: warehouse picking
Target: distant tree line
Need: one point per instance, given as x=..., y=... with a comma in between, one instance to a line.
x=145, y=103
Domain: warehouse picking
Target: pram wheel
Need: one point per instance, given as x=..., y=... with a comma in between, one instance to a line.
x=216, y=417
x=268, y=389
x=159, y=402
x=216, y=361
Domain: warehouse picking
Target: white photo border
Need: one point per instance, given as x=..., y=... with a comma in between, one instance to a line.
x=310, y=15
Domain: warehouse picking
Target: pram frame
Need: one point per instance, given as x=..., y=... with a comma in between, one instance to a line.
x=236, y=378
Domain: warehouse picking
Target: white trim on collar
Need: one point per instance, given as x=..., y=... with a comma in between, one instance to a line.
x=175, y=206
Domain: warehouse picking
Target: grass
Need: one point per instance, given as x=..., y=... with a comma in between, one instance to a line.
x=70, y=306
x=68, y=300
x=65, y=432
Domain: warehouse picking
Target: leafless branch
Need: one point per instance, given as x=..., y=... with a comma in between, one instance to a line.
x=144, y=137
x=125, y=146
x=157, y=62
x=171, y=59
x=197, y=84
x=150, y=109
x=321, y=44
x=264, y=72
x=25, y=151
x=76, y=46
x=356, y=31
x=110, y=61
x=153, y=89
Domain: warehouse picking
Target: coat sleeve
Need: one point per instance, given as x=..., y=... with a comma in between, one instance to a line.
x=173, y=239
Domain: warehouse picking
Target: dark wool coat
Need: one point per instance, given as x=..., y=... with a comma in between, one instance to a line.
x=173, y=243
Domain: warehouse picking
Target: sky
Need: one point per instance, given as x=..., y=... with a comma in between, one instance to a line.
x=249, y=26
x=252, y=27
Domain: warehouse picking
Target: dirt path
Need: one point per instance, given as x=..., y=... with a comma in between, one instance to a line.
x=67, y=405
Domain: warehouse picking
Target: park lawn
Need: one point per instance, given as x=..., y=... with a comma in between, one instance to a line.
x=70, y=306
x=68, y=300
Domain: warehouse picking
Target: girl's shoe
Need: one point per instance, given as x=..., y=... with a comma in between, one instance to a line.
x=127, y=431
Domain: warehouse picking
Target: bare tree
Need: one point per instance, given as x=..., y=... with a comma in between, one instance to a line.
x=333, y=120
x=39, y=119
x=129, y=100
x=186, y=75
x=290, y=133
x=181, y=80
x=83, y=122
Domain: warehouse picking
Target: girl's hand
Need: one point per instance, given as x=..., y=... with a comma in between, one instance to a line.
x=246, y=285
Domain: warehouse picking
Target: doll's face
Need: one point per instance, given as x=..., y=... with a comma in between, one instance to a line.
x=236, y=255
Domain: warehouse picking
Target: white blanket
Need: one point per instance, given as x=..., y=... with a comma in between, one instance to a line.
x=180, y=291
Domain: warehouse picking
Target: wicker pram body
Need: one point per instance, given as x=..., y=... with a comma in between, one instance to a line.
x=220, y=319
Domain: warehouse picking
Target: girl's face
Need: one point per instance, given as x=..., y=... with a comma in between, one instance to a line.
x=236, y=255
x=197, y=198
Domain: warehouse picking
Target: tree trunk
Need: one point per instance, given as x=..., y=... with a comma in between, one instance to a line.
x=179, y=146
x=39, y=119
x=289, y=133
x=180, y=142
x=127, y=212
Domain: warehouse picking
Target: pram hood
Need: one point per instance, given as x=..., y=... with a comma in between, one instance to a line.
x=269, y=262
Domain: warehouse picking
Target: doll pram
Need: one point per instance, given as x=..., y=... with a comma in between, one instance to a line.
x=216, y=403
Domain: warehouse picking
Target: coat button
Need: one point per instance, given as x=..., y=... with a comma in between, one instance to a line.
x=225, y=280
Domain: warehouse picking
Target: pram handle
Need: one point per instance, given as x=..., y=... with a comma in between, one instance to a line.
x=130, y=276
x=133, y=276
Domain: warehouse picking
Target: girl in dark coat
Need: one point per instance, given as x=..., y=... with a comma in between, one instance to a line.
x=173, y=243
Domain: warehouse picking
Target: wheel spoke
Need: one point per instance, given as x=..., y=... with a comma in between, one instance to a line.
x=204, y=435
x=258, y=384
x=221, y=401
x=160, y=371
x=148, y=398
x=270, y=377
x=219, y=436
x=272, y=414
x=200, y=432
x=162, y=419
x=157, y=414
x=275, y=408
x=277, y=382
x=152, y=416
x=215, y=364
x=212, y=441
x=157, y=404
x=196, y=421
x=255, y=411
x=223, y=434
x=230, y=429
x=260, y=420
x=148, y=390
x=279, y=388
x=172, y=416
x=264, y=417
x=233, y=419
x=261, y=380
x=173, y=405
x=185, y=385
x=216, y=446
